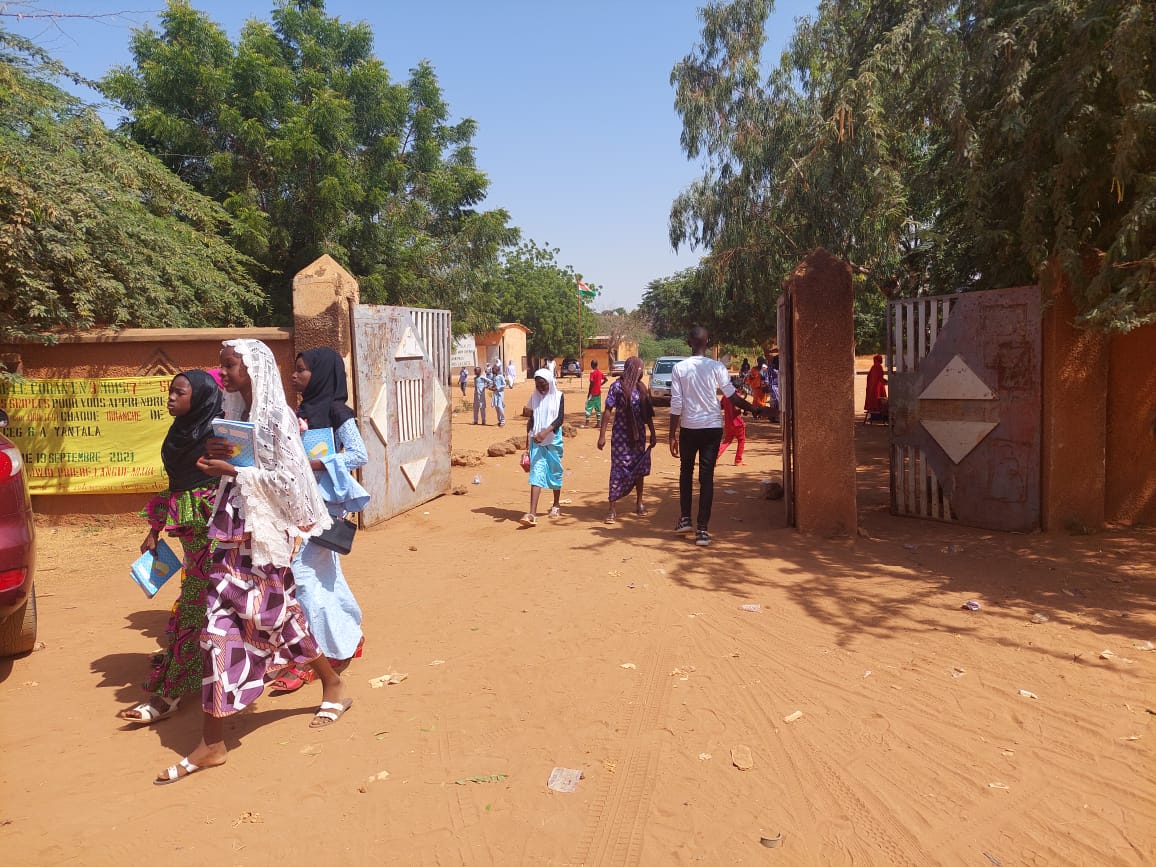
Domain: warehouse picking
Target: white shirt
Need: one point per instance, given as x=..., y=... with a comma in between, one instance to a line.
x=694, y=386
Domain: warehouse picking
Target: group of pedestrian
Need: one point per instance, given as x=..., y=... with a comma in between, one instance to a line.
x=762, y=382
x=261, y=600
x=699, y=421
x=494, y=380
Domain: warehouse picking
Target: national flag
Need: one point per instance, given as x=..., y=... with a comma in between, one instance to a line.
x=585, y=291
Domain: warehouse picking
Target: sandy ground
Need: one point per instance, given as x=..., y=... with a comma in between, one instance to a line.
x=623, y=651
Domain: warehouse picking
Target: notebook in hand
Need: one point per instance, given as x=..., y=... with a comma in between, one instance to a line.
x=241, y=436
x=153, y=568
x=318, y=442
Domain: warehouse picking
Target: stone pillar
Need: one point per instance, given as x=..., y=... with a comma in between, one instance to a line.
x=1075, y=410
x=823, y=398
x=323, y=297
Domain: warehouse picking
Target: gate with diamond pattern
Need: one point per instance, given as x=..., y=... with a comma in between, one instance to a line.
x=964, y=382
x=401, y=361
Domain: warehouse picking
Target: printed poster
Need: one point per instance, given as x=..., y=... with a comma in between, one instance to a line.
x=90, y=436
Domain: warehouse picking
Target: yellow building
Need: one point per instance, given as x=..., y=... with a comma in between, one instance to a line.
x=506, y=344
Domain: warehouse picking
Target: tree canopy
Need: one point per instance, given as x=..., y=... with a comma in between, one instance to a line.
x=300, y=133
x=936, y=146
x=93, y=230
x=535, y=290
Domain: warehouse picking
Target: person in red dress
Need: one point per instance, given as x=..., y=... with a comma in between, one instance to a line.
x=875, y=406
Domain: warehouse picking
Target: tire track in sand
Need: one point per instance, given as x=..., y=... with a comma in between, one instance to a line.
x=617, y=820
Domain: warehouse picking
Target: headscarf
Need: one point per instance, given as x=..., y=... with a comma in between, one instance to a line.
x=185, y=441
x=279, y=495
x=545, y=406
x=323, y=403
x=631, y=380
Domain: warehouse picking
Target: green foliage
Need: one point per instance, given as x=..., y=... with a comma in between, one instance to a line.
x=93, y=230
x=665, y=305
x=651, y=347
x=537, y=292
x=299, y=132
x=935, y=146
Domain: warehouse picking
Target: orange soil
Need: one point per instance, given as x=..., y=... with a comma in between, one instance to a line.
x=914, y=745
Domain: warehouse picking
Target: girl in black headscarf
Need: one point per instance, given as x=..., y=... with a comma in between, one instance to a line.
x=330, y=608
x=184, y=511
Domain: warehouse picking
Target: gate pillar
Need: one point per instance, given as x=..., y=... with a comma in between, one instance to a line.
x=821, y=372
x=323, y=296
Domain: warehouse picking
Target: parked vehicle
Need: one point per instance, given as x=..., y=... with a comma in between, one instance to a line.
x=617, y=368
x=17, y=552
x=570, y=367
x=660, y=378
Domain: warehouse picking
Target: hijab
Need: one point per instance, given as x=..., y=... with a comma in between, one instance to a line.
x=545, y=406
x=632, y=380
x=185, y=441
x=279, y=494
x=323, y=402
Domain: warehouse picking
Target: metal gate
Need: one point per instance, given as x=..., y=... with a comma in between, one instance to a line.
x=401, y=361
x=965, y=407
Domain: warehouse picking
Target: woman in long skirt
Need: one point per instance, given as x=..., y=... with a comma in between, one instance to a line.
x=629, y=400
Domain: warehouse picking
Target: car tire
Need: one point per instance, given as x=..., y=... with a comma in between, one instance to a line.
x=18, y=632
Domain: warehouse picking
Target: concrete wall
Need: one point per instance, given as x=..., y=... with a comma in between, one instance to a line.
x=130, y=352
x=823, y=378
x=1099, y=420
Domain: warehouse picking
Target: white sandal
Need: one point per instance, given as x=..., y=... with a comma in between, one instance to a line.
x=330, y=712
x=148, y=713
x=173, y=772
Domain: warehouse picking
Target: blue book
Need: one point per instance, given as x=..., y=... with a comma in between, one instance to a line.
x=318, y=443
x=241, y=437
x=153, y=568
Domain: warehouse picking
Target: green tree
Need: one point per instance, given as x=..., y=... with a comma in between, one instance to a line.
x=302, y=136
x=536, y=291
x=935, y=146
x=93, y=230
x=619, y=325
x=665, y=305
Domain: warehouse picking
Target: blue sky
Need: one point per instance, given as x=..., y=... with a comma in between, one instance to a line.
x=576, y=123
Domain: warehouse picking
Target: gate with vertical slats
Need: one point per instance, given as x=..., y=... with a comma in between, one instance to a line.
x=401, y=370
x=965, y=402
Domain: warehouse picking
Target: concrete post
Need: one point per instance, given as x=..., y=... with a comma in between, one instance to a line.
x=823, y=379
x=323, y=297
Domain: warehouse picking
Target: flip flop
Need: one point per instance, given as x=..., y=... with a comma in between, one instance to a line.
x=611, y=519
x=528, y=521
x=330, y=712
x=148, y=713
x=555, y=512
x=173, y=772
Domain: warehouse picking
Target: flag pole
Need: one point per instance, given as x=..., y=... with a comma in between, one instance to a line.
x=581, y=364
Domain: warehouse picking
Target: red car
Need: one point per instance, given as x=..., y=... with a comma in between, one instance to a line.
x=17, y=553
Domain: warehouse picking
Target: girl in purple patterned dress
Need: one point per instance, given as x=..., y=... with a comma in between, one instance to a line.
x=254, y=624
x=184, y=511
x=633, y=413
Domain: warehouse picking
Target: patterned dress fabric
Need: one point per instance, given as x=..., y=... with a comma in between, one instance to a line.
x=184, y=515
x=627, y=463
x=254, y=625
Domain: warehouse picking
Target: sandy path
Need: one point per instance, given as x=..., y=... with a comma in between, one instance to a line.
x=910, y=705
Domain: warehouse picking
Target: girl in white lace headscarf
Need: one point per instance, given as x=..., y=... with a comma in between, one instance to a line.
x=254, y=624
x=279, y=495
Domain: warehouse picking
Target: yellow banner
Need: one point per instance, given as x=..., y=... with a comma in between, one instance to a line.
x=90, y=436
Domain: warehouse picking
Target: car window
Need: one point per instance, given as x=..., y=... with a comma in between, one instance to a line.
x=664, y=366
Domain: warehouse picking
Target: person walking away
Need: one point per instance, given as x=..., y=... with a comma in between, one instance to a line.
x=628, y=400
x=498, y=387
x=184, y=511
x=463, y=378
x=734, y=429
x=875, y=406
x=254, y=622
x=546, y=410
x=331, y=610
x=511, y=373
x=549, y=366
x=594, y=393
x=754, y=382
x=481, y=384
x=696, y=428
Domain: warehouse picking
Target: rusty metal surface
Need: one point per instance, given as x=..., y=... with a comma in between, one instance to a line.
x=965, y=404
x=402, y=405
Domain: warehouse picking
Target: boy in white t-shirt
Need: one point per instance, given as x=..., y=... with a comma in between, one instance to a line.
x=696, y=428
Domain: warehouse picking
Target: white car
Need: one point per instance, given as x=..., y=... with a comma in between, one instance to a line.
x=660, y=378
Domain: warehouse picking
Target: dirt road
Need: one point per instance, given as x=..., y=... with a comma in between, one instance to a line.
x=623, y=651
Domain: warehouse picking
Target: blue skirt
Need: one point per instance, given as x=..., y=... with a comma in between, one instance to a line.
x=546, y=464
